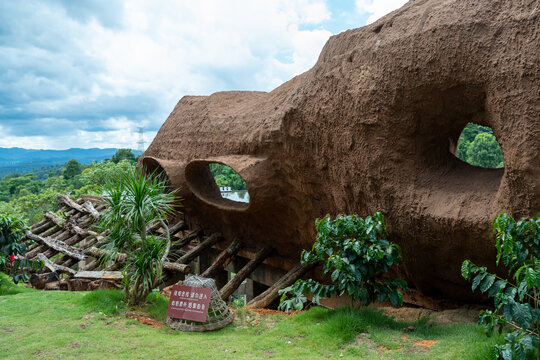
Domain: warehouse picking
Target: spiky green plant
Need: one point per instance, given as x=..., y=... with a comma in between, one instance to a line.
x=135, y=201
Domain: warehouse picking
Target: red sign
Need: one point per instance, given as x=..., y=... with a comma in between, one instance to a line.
x=189, y=303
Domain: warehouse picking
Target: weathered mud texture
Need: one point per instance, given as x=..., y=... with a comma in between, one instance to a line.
x=372, y=126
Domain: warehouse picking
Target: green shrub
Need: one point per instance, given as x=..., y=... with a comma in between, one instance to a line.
x=12, y=247
x=356, y=253
x=516, y=301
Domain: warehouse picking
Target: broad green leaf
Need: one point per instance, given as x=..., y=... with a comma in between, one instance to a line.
x=465, y=269
x=478, y=279
x=487, y=282
x=530, y=277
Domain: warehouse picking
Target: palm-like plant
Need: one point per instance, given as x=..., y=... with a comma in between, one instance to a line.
x=135, y=201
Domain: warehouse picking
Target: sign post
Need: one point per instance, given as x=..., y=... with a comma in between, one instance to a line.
x=189, y=303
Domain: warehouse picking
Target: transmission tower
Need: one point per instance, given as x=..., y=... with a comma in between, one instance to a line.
x=140, y=139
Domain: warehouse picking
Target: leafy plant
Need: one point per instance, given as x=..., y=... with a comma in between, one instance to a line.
x=12, y=247
x=516, y=300
x=135, y=201
x=356, y=254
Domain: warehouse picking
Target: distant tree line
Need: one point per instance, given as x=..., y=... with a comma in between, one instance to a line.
x=28, y=197
x=478, y=146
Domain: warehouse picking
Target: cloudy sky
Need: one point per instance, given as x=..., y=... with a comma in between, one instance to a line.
x=88, y=73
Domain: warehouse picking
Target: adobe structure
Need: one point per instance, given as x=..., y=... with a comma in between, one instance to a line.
x=374, y=125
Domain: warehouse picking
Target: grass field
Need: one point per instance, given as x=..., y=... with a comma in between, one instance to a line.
x=83, y=325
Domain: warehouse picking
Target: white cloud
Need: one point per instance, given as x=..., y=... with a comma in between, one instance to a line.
x=86, y=66
x=378, y=8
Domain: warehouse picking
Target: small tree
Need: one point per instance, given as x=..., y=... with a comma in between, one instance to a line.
x=485, y=151
x=134, y=202
x=73, y=168
x=516, y=300
x=356, y=253
x=123, y=154
x=12, y=247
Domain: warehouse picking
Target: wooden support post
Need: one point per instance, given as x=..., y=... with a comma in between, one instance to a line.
x=271, y=294
x=193, y=253
x=240, y=276
x=223, y=259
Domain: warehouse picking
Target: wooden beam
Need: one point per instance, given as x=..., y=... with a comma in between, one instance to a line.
x=240, y=276
x=193, y=253
x=267, y=297
x=57, y=245
x=67, y=200
x=54, y=267
x=222, y=259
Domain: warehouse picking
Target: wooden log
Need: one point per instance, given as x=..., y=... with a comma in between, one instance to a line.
x=267, y=297
x=59, y=246
x=54, y=218
x=242, y=275
x=38, y=281
x=222, y=259
x=183, y=268
x=119, y=258
x=55, y=231
x=54, y=267
x=92, y=265
x=193, y=253
x=173, y=229
x=68, y=201
x=89, y=207
x=105, y=275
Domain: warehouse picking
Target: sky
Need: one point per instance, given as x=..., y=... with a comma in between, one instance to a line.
x=90, y=73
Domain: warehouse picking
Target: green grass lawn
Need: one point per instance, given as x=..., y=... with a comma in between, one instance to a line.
x=84, y=325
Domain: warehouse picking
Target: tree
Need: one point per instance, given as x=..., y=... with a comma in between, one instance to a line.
x=485, y=151
x=356, y=253
x=73, y=168
x=517, y=299
x=123, y=154
x=225, y=176
x=135, y=201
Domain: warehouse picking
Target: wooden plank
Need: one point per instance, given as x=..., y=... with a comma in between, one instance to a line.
x=106, y=275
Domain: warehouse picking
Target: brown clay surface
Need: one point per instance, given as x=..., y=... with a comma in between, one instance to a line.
x=372, y=126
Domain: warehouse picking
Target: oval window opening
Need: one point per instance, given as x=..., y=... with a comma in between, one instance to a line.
x=152, y=167
x=230, y=183
x=478, y=146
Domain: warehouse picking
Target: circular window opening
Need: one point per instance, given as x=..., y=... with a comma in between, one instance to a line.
x=152, y=167
x=230, y=183
x=478, y=146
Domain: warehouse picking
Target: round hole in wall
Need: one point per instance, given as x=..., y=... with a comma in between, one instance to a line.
x=152, y=167
x=217, y=184
x=478, y=146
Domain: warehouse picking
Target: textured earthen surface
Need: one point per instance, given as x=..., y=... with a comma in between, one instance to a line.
x=373, y=126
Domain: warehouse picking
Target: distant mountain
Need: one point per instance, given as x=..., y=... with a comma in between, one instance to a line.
x=18, y=160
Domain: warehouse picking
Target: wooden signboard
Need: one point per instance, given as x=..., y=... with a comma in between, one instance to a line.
x=189, y=303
